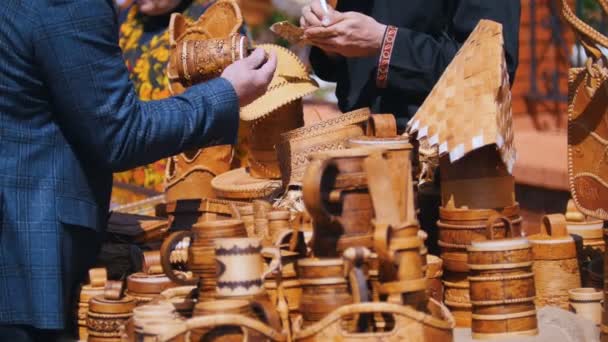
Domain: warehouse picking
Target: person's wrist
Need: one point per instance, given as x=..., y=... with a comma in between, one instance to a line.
x=379, y=32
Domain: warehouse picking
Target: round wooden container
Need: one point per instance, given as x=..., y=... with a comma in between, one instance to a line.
x=456, y=297
x=144, y=287
x=150, y=314
x=434, y=272
x=502, y=286
x=106, y=317
x=86, y=293
x=459, y=227
x=587, y=302
x=555, y=263
x=223, y=333
x=337, y=197
x=200, y=253
x=324, y=288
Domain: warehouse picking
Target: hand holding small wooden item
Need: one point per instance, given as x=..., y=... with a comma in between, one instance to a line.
x=350, y=34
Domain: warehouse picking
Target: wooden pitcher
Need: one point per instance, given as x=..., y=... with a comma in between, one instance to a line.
x=502, y=285
x=555, y=263
x=337, y=197
x=194, y=250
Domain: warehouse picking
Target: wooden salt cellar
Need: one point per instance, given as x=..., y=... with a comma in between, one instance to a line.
x=107, y=317
x=587, y=303
x=97, y=282
x=502, y=285
x=555, y=263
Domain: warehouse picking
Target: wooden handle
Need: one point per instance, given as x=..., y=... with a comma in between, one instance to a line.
x=313, y=190
x=554, y=225
x=212, y=321
x=98, y=277
x=150, y=262
x=490, y=226
x=275, y=264
x=114, y=289
x=165, y=251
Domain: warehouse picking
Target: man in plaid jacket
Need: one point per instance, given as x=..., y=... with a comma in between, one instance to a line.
x=69, y=117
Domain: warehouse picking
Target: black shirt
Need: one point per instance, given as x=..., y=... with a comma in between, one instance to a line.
x=430, y=32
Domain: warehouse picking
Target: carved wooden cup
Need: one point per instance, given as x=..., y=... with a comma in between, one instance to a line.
x=240, y=267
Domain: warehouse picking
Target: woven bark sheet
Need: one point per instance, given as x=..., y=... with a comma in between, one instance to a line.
x=470, y=106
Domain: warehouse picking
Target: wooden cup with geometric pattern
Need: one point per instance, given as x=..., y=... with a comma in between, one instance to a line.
x=240, y=267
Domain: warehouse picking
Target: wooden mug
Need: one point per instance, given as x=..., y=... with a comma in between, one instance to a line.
x=240, y=267
x=199, y=60
x=337, y=197
x=194, y=252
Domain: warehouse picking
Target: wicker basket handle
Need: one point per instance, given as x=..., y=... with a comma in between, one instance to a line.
x=588, y=35
x=508, y=226
x=554, y=225
x=165, y=252
x=212, y=321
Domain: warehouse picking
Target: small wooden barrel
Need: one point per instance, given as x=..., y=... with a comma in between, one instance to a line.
x=434, y=272
x=144, y=287
x=502, y=286
x=457, y=299
x=555, y=262
x=223, y=333
x=106, y=318
x=324, y=288
x=587, y=302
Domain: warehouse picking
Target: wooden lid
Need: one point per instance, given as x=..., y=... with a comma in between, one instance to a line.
x=314, y=262
x=100, y=304
x=586, y=294
x=240, y=185
x=351, y=118
x=141, y=283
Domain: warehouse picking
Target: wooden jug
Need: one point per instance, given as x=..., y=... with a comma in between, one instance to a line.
x=502, y=285
x=337, y=198
x=194, y=250
x=555, y=262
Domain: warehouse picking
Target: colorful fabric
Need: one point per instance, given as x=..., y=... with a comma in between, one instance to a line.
x=145, y=44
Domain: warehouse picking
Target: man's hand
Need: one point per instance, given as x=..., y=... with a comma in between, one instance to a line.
x=250, y=76
x=350, y=34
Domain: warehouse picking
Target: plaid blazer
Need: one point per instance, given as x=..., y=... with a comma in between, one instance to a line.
x=69, y=117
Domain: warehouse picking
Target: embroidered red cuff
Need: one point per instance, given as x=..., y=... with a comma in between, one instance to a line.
x=385, y=56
